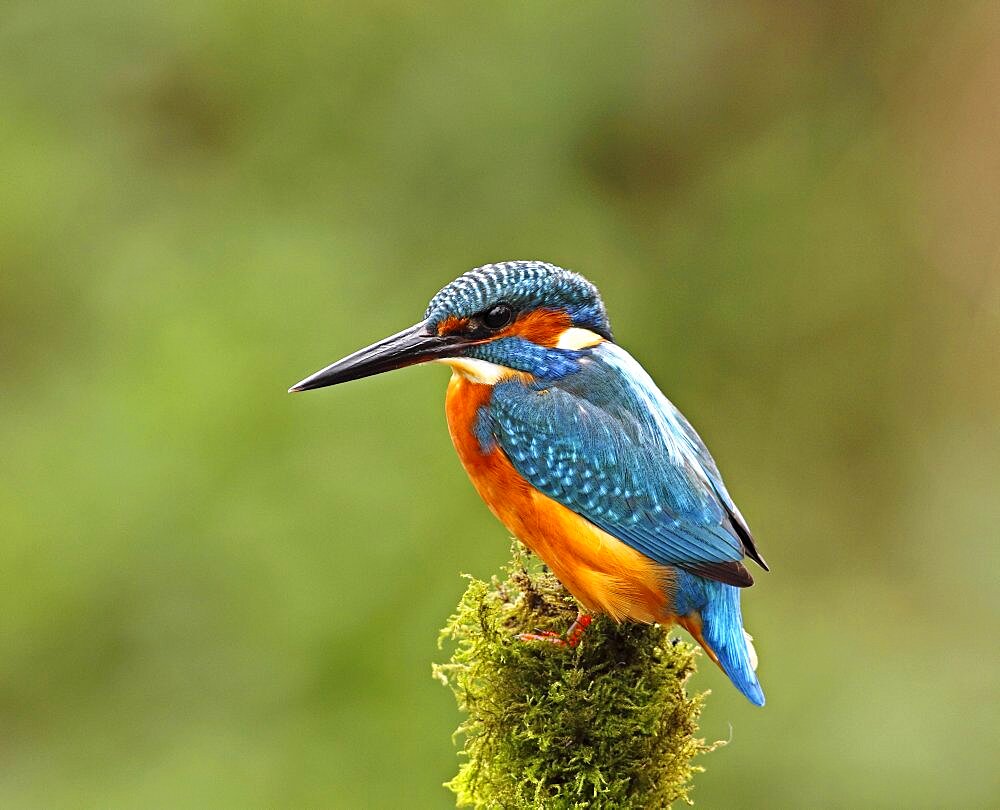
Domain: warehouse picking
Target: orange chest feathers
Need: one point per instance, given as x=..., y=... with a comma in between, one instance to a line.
x=604, y=574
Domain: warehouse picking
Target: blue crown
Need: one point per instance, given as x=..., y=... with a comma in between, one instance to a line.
x=525, y=285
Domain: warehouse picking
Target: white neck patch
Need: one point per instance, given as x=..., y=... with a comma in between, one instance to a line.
x=577, y=338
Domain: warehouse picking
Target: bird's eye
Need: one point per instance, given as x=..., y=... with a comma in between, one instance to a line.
x=497, y=317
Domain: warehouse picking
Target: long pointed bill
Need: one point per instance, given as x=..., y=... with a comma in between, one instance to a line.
x=406, y=348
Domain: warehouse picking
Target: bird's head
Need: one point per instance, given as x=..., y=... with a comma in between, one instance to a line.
x=494, y=321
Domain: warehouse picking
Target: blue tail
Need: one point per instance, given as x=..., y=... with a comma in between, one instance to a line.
x=721, y=628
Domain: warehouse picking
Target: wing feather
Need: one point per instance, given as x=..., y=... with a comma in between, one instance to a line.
x=608, y=445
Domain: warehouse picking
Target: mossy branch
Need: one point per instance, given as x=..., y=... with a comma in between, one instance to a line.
x=607, y=724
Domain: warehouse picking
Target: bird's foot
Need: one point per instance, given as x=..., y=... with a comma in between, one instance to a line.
x=571, y=637
x=575, y=632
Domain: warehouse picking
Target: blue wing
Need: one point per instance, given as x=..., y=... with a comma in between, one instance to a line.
x=607, y=444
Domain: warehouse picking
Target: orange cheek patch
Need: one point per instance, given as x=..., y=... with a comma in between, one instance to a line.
x=452, y=324
x=542, y=327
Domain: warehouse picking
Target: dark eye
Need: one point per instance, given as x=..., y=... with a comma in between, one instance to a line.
x=497, y=317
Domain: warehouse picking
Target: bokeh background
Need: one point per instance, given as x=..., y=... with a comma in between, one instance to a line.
x=213, y=594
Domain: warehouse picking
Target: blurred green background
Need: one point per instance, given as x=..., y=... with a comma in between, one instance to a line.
x=213, y=594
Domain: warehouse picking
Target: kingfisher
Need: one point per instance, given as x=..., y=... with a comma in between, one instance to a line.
x=579, y=454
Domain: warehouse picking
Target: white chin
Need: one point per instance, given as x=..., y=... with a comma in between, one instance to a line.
x=478, y=371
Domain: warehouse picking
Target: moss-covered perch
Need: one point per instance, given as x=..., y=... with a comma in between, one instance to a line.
x=605, y=725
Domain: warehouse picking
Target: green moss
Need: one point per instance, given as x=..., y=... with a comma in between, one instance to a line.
x=608, y=724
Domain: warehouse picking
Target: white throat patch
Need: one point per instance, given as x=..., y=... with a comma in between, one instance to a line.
x=477, y=371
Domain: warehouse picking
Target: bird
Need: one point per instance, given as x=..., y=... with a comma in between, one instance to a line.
x=579, y=454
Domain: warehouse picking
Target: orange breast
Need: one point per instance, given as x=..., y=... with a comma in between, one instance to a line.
x=603, y=573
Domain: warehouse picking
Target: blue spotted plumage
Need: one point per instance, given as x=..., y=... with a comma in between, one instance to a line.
x=543, y=399
x=542, y=363
x=606, y=443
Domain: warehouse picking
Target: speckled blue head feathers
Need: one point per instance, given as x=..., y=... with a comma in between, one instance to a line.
x=525, y=285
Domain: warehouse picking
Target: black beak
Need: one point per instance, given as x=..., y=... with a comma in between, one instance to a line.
x=407, y=348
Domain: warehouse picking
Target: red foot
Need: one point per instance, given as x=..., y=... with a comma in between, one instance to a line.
x=571, y=639
x=575, y=632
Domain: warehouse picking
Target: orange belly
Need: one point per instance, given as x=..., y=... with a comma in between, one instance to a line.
x=603, y=573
